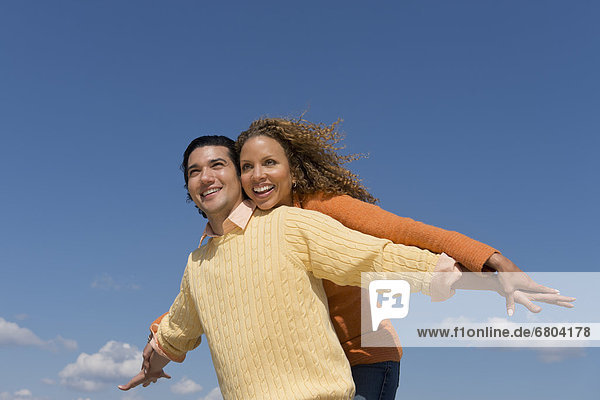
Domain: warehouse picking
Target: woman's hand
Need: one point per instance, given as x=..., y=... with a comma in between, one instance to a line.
x=526, y=298
x=498, y=282
x=512, y=279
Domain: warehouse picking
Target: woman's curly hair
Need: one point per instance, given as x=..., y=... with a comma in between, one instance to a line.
x=312, y=151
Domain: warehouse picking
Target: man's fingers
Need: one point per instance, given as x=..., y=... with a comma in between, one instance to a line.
x=131, y=384
x=146, y=365
x=136, y=380
x=152, y=379
x=144, y=380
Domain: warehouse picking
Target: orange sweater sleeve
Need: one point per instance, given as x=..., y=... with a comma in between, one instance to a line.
x=372, y=220
x=154, y=325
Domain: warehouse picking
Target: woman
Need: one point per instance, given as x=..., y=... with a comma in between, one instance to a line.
x=295, y=162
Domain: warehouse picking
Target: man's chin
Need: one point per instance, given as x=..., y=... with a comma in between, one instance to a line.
x=207, y=208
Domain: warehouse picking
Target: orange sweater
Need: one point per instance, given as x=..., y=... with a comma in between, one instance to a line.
x=344, y=301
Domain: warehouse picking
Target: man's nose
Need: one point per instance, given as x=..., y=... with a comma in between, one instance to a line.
x=207, y=176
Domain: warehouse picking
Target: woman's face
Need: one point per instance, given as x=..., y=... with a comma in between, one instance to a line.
x=266, y=176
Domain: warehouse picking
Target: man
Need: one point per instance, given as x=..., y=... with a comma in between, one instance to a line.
x=254, y=288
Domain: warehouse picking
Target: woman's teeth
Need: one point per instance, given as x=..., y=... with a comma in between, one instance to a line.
x=263, y=189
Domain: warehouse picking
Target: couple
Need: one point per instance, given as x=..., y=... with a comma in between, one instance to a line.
x=260, y=287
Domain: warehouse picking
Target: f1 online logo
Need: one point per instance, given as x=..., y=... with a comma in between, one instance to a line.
x=388, y=299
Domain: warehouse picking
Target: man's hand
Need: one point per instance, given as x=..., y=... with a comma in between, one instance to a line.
x=152, y=369
x=144, y=379
x=147, y=354
x=512, y=278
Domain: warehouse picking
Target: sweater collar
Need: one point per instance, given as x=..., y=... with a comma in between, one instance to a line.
x=238, y=218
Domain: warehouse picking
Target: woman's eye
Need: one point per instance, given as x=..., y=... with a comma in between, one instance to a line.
x=270, y=162
x=246, y=167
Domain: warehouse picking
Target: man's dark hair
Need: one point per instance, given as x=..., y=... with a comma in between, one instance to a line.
x=209, y=140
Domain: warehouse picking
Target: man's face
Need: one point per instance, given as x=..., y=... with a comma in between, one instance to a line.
x=213, y=182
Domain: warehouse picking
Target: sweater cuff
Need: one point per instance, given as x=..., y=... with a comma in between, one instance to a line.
x=154, y=325
x=446, y=273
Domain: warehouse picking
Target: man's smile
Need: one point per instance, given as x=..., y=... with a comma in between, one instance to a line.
x=209, y=192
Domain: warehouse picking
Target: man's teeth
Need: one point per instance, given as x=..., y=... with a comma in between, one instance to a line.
x=210, y=191
x=263, y=189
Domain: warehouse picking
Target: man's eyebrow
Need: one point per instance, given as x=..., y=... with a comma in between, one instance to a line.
x=214, y=160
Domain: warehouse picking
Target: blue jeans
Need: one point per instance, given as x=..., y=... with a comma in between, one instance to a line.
x=377, y=381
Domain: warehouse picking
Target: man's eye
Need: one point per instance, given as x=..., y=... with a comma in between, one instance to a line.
x=193, y=173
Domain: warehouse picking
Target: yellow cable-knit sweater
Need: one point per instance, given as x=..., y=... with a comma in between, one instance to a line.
x=257, y=295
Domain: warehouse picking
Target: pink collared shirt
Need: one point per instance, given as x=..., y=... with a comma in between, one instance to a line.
x=239, y=218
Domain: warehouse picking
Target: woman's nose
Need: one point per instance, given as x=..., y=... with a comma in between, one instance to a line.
x=258, y=173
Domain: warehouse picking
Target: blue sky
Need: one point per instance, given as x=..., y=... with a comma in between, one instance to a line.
x=478, y=116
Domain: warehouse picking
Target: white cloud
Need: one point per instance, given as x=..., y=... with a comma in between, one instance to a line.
x=107, y=282
x=48, y=381
x=214, y=394
x=11, y=334
x=114, y=363
x=185, y=386
x=23, y=394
